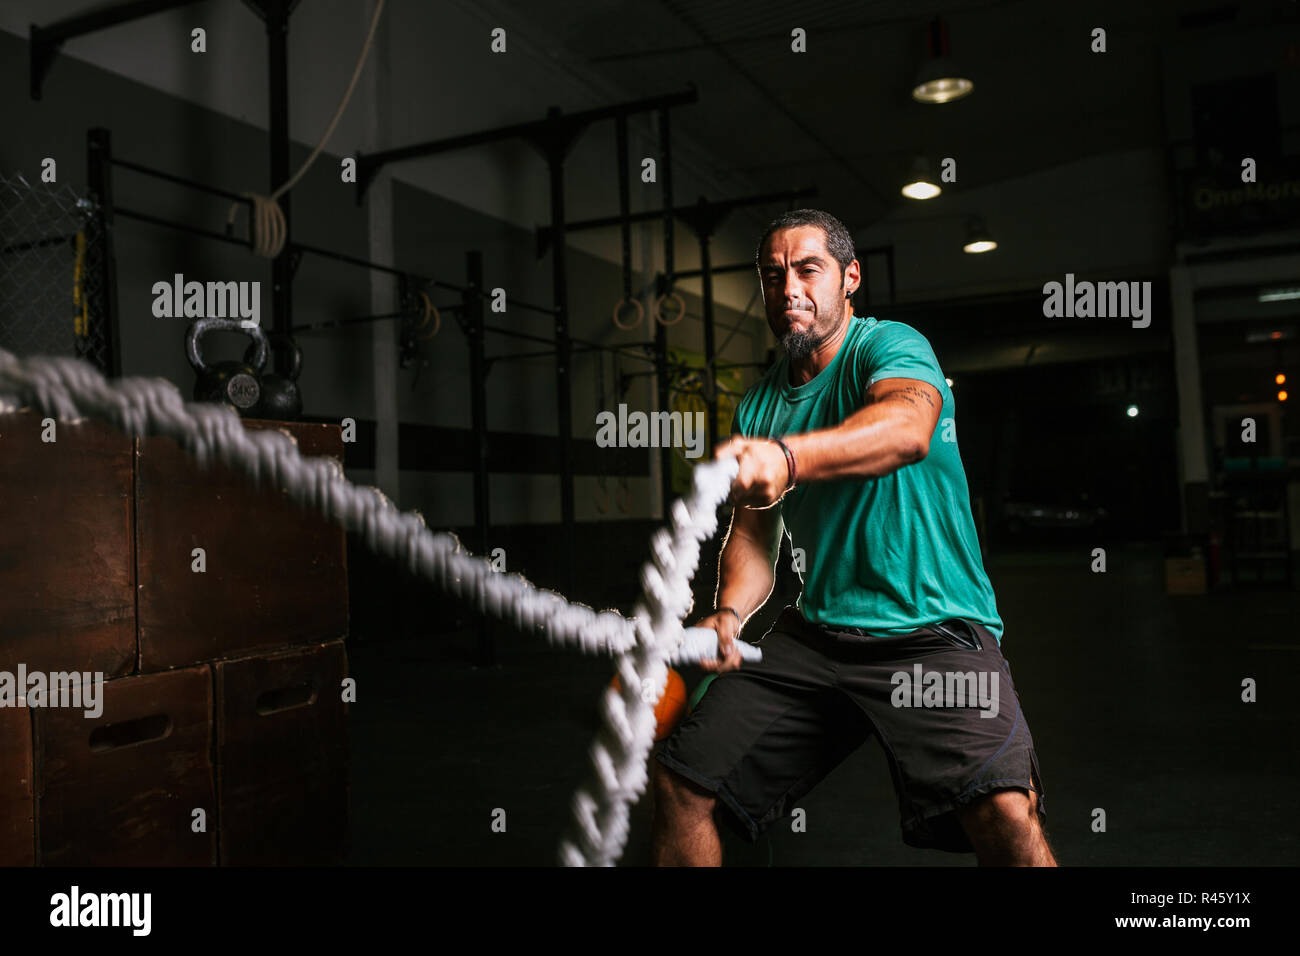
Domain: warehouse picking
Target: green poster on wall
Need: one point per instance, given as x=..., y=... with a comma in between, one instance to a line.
x=686, y=394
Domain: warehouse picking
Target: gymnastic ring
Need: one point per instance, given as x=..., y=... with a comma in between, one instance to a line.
x=640, y=312
x=429, y=310
x=423, y=321
x=659, y=309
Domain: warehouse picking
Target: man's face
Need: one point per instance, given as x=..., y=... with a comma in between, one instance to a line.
x=803, y=289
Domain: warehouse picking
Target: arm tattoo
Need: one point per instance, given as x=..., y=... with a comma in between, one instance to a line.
x=909, y=394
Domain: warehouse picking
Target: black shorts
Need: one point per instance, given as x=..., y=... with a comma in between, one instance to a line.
x=763, y=736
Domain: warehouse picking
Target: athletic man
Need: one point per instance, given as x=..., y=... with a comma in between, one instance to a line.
x=849, y=443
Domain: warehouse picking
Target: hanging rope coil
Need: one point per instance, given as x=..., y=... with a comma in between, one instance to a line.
x=267, y=229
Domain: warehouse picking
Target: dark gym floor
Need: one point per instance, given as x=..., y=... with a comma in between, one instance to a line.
x=1133, y=698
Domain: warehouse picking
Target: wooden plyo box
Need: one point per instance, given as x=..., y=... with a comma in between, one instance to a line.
x=276, y=575
x=120, y=789
x=17, y=826
x=97, y=531
x=282, y=757
x=67, y=564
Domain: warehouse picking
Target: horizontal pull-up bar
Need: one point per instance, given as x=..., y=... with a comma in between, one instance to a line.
x=720, y=206
x=370, y=164
x=327, y=253
x=448, y=286
x=367, y=319
x=179, y=180
x=44, y=42
x=549, y=353
x=367, y=264
x=596, y=346
x=717, y=270
x=180, y=226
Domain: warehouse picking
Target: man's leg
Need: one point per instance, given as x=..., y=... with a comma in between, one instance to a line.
x=683, y=832
x=756, y=742
x=1005, y=830
x=971, y=745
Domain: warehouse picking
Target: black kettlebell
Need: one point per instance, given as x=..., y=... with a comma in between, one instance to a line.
x=281, y=398
x=237, y=384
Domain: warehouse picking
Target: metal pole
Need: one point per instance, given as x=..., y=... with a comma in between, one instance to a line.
x=178, y=226
x=624, y=203
x=180, y=180
x=557, y=144
x=99, y=168
x=44, y=42
x=661, y=332
x=473, y=306
x=722, y=207
x=710, y=345
x=277, y=36
x=535, y=130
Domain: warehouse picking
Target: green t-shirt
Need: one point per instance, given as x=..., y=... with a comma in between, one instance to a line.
x=887, y=554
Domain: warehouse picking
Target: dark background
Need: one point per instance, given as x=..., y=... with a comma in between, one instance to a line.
x=1096, y=164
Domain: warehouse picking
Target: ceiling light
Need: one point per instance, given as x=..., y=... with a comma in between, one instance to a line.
x=978, y=238
x=940, y=80
x=919, y=184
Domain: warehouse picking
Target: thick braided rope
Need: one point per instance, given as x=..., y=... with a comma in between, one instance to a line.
x=70, y=389
x=602, y=806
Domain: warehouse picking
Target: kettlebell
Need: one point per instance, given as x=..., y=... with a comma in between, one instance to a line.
x=237, y=384
x=281, y=398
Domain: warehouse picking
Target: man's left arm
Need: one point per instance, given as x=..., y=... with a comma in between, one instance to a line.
x=892, y=429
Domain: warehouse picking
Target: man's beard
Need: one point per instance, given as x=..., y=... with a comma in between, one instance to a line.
x=800, y=343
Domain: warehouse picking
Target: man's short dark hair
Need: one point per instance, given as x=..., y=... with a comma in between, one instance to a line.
x=839, y=243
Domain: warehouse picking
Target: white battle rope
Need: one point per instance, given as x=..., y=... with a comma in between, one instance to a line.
x=69, y=389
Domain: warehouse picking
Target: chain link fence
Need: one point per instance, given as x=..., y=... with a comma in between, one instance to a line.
x=52, y=272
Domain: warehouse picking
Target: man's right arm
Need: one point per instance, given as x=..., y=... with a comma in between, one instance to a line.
x=746, y=576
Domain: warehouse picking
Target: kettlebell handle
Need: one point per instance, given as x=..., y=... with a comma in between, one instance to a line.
x=255, y=355
x=280, y=340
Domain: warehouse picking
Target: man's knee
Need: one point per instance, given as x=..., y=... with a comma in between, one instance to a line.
x=1001, y=810
x=1004, y=829
x=677, y=796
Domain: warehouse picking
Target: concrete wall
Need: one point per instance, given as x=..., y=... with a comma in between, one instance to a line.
x=170, y=111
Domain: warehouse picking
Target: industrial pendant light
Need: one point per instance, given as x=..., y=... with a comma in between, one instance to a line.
x=920, y=184
x=940, y=80
x=978, y=238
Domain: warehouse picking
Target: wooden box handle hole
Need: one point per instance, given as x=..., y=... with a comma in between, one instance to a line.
x=286, y=698
x=128, y=733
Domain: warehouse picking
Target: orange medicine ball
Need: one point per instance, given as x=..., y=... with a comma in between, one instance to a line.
x=671, y=706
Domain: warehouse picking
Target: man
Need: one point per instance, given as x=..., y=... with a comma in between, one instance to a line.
x=849, y=443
